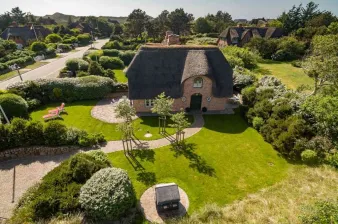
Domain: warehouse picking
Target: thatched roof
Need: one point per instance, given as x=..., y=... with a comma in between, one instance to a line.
x=157, y=69
x=264, y=32
x=25, y=32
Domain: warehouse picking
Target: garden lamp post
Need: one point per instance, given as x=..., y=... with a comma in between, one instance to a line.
x=16, y=67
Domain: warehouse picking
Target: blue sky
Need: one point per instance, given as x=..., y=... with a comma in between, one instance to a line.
x=246, y=9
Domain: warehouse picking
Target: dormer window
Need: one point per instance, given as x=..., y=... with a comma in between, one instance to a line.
x=235, y=40
x=198, y=83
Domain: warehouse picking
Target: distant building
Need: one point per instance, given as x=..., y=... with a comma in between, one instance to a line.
x=21, y=35
x=113, y=21
x=241, y=21
x=240, y=35
x=82, y=26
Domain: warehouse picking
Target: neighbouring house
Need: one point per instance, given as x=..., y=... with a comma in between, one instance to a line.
x=113, y=21
x=21, y=35
x=240, y=35
x=196, y=77
x=82, y=27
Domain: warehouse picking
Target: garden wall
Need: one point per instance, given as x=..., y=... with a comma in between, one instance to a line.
x=36, y=151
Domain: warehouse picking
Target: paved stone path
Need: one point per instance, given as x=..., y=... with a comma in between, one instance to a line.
x=114, y=146
x=105, y=111
x=148, y=206
x=29, y=171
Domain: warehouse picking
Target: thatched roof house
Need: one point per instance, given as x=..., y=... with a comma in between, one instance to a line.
x=180, y=72
x=239, y=35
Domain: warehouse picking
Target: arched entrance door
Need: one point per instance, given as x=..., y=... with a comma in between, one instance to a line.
x=196, y=102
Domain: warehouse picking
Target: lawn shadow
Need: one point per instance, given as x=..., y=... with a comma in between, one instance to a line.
x=167, y=136
x=196, y=162
x=147, y=178
x=225, y=123
x=133, y=161
x=263, y=71
x=144, y=155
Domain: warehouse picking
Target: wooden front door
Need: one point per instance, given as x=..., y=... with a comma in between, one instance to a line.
x=196, y=102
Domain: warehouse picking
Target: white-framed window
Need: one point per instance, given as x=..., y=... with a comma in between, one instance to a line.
x=198, y=83
x=235, y=40
x=149, y=103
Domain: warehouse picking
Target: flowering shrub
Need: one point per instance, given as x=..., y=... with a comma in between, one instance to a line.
x=107, y=195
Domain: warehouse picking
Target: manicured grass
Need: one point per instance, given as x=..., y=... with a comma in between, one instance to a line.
x=224, y=162
x=79, y=115
x=121, y=76
x=12, y=74
x=291, y=76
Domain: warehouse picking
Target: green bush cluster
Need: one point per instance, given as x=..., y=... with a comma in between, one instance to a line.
x=240, y=56
x=84, y=39
x=76, y=64
x=95, y=55
x=65, y=47
x=126, y=56
x=111, y=62
x=83, y=88
x=111, y=52
x=53, y=38
x=126, y=45
x=58, y=193
x=14, y=105
x=325, y=212
x=17, y=54
x=107, y=195
x=309, y=157
x=7, y=47
x=22, y=133
x=38, y=47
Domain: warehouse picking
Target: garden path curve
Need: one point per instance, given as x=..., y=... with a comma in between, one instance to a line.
x=113, y=146
x=17, y=175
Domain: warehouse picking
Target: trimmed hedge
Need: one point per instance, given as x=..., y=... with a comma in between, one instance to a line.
x=83, y=88
x=111, y=52
x=14, y=105
x=127, y=56
x=107, y=195
x=111, y=62
x=58, y=192
x=22, y=133
x=84, y=39
x=38, y=46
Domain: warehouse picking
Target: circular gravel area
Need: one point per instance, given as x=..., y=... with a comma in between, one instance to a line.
x=105, y=111
x=148, y=206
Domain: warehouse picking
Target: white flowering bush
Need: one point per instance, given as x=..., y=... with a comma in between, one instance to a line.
x=107, y=195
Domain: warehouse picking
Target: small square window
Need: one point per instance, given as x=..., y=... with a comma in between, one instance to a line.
x=198, y=83
x=149, y=103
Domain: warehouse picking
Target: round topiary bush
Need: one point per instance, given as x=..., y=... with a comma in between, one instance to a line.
x=107, y=195
x=14, y=105
x=309, y=157
x=111, y=62
x=38, y=46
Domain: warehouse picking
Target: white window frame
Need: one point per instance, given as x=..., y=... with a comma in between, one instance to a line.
x=198, y=82
x=149, y=103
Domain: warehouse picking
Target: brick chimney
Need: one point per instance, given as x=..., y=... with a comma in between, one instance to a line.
x=171, y=38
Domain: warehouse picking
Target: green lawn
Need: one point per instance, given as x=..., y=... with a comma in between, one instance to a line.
x=224, y=162
x=12, y=74
x=79, y=116
x=121, y=76
x=291, y=76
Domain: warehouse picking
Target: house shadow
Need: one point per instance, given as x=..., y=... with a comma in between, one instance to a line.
x=196, y=162
x=226, y=123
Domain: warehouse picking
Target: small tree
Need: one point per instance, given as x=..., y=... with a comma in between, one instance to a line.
x=163, y=107
x=180, y=123
x=125, y=111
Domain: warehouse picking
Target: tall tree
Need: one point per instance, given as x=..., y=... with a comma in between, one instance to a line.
x=136, y=22
x=5, y=20
x=220, y=21
x=180, y=123
x=322, y=64
x=310, y=11
x=202, y=25
x=30, y=18
x=180, y=21
x=163, y=23
x=70, y=21
x=18, y=16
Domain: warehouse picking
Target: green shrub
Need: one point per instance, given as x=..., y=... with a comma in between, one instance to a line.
x=55, y=133
x=95, y=55
x=98, y=155
x=96, y=69
x=34, y=133
x=266, y=47
x=242, y=80
x=127, y=57
x=38, y=46
x=107, y=195
x=52, y=45
x=14, y=105
x=20, y=61
x=84, y=88
x=81, y=74
x=332, y=160
x=113, y=45
x=110, y=74
x=322, y=212
x=288, y=49
x=72, y=64
x=70, y=40
x=111, y=62
x=58, y=192
x=53, y=38
x=248, y=57
x=309, y=157
x=18, y=133
x=249, y=95
x=111, y=52
x=87, y=140
x=65, y=47
x=257, y=123
x=235, y=61
x=84, y=39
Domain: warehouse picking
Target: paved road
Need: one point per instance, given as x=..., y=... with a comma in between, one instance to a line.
x=52, y=69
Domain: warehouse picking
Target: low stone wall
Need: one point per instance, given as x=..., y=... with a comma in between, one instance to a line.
x=36, y=151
